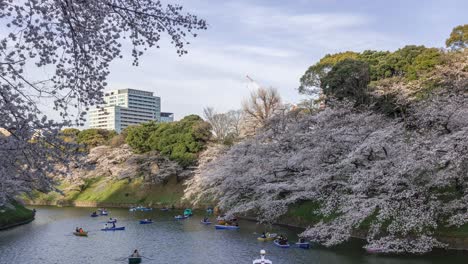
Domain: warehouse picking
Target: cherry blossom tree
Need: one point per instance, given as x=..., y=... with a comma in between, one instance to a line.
x=57, y=53
x=397, y=180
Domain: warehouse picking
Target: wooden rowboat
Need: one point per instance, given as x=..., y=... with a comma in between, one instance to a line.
x=85, y=234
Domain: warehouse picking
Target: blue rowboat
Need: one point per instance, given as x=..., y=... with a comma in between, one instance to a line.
x=226, y=227
x=144, y=222
x=94, y=215
x=205, y=223
x=304, y=245
x=140, y=208
x=180, y=217
x=134, y=260
x=113, y=228
x=280, y=245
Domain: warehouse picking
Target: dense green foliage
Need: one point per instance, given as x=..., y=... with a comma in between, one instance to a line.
x=458, y=39
x=180, y=141
x=348, y=79
x=17, y=214
x=88, y=137
x=94, y=137
x=410, y=62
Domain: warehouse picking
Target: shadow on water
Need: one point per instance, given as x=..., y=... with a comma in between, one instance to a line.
x=49, y=239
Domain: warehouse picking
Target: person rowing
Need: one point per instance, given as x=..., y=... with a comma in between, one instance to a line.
x=262, y=259
x=135, y=254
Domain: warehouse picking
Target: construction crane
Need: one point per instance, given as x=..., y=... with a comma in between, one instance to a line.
x=253, y=82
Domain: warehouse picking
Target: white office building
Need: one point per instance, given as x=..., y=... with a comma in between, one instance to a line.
x=125, y=107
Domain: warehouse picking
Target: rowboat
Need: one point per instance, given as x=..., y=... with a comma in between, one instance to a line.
x=143, y=222
x=94, y=215
x=188, y=212
x=140, y=208
x=281, y=245
x=205, y=223
x=113, y=228
x=180, y=217
x=304, y=245
x=134, y=260
x=226, y=227
x=84, y=234
x=269, y=237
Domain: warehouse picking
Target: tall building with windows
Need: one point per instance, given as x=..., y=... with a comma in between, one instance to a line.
x=125, y=107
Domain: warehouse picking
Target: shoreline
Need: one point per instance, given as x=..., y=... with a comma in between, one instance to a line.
x=13, y=225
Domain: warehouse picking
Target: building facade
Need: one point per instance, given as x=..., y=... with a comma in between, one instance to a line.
x=125, y=107
x=167, y=117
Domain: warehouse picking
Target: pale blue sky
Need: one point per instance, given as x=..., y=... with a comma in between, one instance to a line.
x=274, y=42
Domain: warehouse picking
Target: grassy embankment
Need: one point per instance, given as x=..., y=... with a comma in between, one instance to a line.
x=104, y=190
x=11, y=216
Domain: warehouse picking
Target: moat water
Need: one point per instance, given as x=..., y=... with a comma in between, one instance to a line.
x=49, y=239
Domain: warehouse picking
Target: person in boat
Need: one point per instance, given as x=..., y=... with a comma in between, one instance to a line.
x=106, y=226
x=283, y=240
x=262, y=259
x=301, y=240
x=77, y=229
x=113, y=224
x=205, y=219
x=135, y=254
x=263, y=235
x=80, y=230
x=150, y=220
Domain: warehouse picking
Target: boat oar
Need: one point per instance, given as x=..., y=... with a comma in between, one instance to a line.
x=122, y=258
x=147, y=258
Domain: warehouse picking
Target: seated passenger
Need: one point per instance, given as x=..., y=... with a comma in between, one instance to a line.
x=135, y=254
